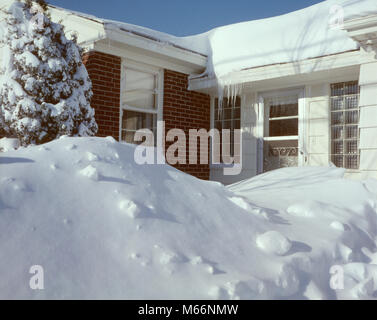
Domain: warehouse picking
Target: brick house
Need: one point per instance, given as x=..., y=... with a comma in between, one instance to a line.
x=137, y=81
x=174, y=104
x=287, y=115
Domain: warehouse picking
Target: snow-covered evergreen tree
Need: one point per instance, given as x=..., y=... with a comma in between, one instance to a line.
x=45, y=90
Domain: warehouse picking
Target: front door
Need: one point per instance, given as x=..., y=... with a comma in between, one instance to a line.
x=281, y=142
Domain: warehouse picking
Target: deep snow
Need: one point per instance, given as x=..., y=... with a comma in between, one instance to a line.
x=102, y=226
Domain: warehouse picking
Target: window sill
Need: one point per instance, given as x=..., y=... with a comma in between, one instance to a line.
x=278, y=138
x=223, y=165
x=352, y=170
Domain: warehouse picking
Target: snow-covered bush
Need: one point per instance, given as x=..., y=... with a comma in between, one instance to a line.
x=45, y=90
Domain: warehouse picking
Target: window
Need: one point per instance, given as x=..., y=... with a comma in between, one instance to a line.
x=281, y=116
x=344, y=107
x=228, y=117
x=281, y=127
x=140, y=96
x=283, y=120
x=133, y=121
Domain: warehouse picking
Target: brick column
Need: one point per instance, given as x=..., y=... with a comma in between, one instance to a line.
x=185, y=110
x=104, y=72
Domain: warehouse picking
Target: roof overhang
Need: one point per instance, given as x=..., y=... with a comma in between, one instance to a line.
x=94, y=34
x=305, y=70
x=364, y=31
x=155, y=51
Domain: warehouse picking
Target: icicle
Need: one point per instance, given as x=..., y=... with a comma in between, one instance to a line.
x=228, y=89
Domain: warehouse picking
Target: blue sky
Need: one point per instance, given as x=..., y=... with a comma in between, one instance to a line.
x=184, y=17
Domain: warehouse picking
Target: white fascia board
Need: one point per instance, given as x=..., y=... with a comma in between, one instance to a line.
x=144, y=57
x=190, y=60
x=360, y=23
x=363, y=35
x=276, y=71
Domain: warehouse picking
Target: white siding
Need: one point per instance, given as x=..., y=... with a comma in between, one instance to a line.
x=317, y=122
x=317, y=130
x=368, y=120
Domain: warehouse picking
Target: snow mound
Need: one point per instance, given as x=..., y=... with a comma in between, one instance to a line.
x=241, y=203
x=90, y=172
x=274, y=242
x=7, y=144
x=91, y=156
x=109, y=228
x=130, y=208
x=338, y=225
x=305, y=209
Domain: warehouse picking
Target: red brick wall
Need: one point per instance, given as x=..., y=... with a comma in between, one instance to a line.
x=104, y=71
x=185, y=110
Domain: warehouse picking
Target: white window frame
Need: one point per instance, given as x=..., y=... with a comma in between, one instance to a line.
x=159, y=73
x=220, y=165
x=300, y=92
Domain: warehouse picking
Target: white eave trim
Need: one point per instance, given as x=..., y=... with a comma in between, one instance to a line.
x=360, y=23
x=94, y=32
x=363, y=30
x=325, y=63
x=155, y=46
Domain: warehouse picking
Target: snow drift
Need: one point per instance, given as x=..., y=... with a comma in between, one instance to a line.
x=103, y=227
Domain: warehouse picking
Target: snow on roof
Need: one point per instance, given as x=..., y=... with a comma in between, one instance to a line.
x=295, y=36
x=196, y=44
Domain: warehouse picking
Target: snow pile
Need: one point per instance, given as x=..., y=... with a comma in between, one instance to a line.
x=7, y=144
x=274, y=242
x=324, y=220
x=102, y=226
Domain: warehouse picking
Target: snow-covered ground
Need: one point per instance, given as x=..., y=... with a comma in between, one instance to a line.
x=102, y=226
